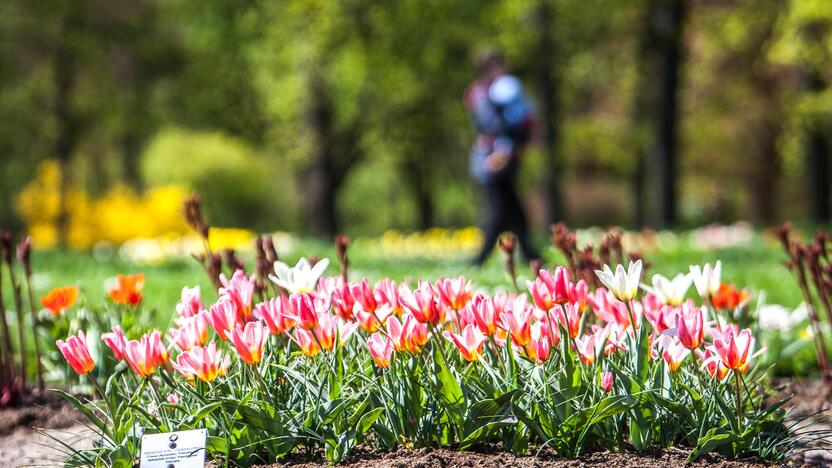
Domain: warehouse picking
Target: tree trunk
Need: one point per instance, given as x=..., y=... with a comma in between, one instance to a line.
x=548, y=85
x=818, y=150
x=318, y=184
x=669, y=22
x=67, y=130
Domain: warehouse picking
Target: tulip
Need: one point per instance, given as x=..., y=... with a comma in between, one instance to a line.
x=126, y=289
x=59, y=299
x=275, y=313
x=728, y=297
x=239, y=289
x=307, y=342
x=364, y=296
x=396, y=333
x=192, y=332
x=173, y=398
x=712, y=363
x=77, y=353
x=422, y=303
x=609, y=309
x=673, y=352
x=690, y=326
x=302, y=278
x=454, y=294
x=623, y=284
x=146, y=355
x=579, y=294
x=115, y=341
x=388, y=293
x=607, y=381
x=343, y=301
x=735, y=348
x=204, y=363
x=469, y=343
x=250, y=341
x=223, y=317
x=538, y=348
x=518, y=322
x=415, y=334
x=303, y=310
x=569, y=316
x=558, y=285
x=670, y=292
x=586, y=347
x=381, y=349
x=541, y=296
x=706, y=279
x=485, y=314
x=373, y=321
x=190, y=302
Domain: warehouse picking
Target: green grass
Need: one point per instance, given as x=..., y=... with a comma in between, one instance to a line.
x=757, y=266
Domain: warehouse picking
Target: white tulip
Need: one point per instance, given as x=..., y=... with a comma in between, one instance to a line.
x=622, y=284
x=706, y=279
x=301, y=278
x=670, y=292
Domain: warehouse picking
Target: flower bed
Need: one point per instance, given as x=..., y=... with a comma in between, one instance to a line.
x=299, y=363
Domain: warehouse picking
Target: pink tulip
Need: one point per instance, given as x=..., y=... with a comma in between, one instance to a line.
x=381, y=349
x=307, y=342
x=609, y=309
x=541, y=296
x=373, y=321
x=454, y=294
x=240, y=289
x=275, y=313
x=343, y=301
x=304, y=311
x=469, y=343
x=146, y=355
x=735, y=348
x=204, y=363
x=223, y=317
x=388, y=293
x=607, y=381
x=539, y=347
x=77, y=353
x=587, y=348
x=364, y=296
x=712, y=363
x=485, y=314
x=690, y=325
x=579, y=294
x=569, y=315
x=518, y=322
x=173, y=398
x=115, y=341
x=250, y=341
x=192, y=331
x=190, y=302
x=422, y=303
x=673, y=352
x=558, y=284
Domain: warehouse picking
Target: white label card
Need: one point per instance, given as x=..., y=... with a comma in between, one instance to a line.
x=184, y=449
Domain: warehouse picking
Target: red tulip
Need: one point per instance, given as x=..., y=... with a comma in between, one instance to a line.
x=223, y=317
x=454, y=294
x=275, y=313
x=735, y=348
x=303, y=310
x=423, y=304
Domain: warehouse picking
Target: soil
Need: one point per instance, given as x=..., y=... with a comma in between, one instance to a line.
x=440, y=458
x=23, y=442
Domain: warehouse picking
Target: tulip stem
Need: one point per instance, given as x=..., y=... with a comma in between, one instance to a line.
x=739, y=399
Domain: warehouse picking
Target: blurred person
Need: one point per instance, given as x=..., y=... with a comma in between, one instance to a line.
x=504, y=120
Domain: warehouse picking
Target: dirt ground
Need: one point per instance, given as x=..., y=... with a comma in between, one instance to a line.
x=23, y=445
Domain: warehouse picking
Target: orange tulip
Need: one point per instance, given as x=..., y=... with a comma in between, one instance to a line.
x=126, y=289
x=729, y=297
x=59, y=299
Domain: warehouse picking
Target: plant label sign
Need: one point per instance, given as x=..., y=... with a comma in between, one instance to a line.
x=184, y=449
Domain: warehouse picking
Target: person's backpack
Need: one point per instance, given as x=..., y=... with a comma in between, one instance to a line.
x=516, y=112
